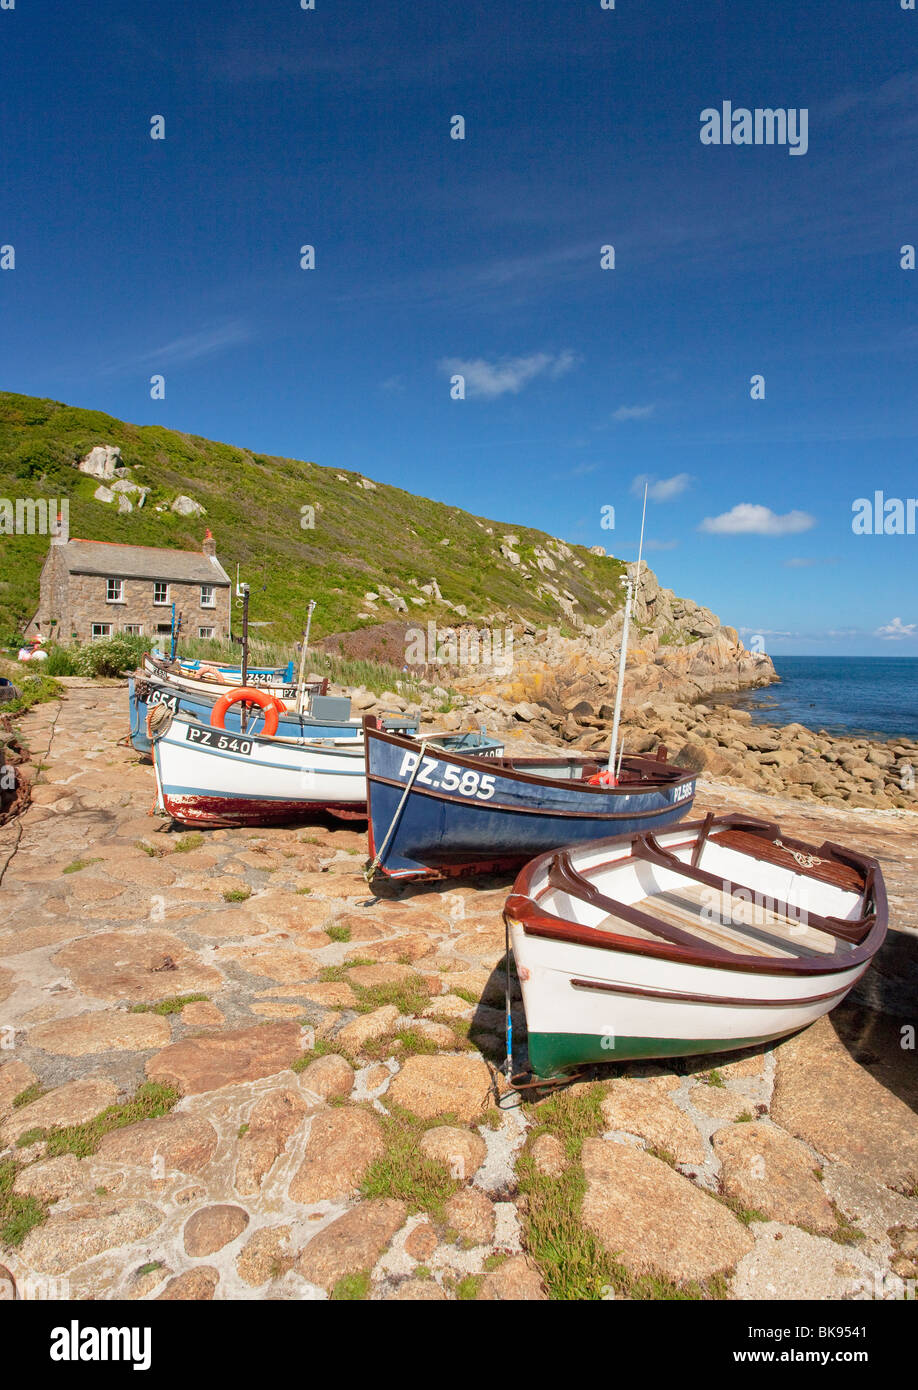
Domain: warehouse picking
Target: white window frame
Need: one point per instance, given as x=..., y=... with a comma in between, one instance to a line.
x=105, y=630
x=133, y=629
x=160, y=602
x=205, y=633
x=212, y=590
x=117, y=597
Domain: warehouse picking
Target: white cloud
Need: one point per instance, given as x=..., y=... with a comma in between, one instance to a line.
x=660, y=489
x=805, y=562
x=897, y=629
x=660, y=545
x=194, y=346
x=633, y=412
x=509, y=374
x=752, y=519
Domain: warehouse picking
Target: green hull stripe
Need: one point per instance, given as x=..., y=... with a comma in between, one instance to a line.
x=550, y=1053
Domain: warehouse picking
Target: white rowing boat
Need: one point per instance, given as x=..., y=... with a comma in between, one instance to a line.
x=715, y=935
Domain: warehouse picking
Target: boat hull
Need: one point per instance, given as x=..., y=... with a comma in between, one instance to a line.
x=208, y=776
x=628, y=1007
x=718, y=935
x=271, y=782
x=498, y=824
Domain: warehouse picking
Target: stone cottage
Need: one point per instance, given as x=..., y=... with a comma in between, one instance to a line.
x=95, y=589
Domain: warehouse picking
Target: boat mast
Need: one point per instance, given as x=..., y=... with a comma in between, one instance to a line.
x=300, y=695
x=623, y=654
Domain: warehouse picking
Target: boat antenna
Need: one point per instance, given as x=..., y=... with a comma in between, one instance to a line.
x=301, y=679
x=623, y=654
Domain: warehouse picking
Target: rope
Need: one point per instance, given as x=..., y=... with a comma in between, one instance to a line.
x=371, y=868
x=806, y=861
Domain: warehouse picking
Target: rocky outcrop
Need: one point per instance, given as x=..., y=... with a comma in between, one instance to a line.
x=187, y=506
x=101, y=462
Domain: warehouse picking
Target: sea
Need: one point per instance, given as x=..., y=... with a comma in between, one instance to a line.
x=859, y=696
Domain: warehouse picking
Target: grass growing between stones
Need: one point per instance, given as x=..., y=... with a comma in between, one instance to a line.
x=186, y=843
x=170, y=1006
x=404, y=1172
x=236, y=895
x=153, y=851
x=574, y=1264
x=76, y=865
x=407, y=1042
x=408, y=996
x=149, y=1102
x=352, y=1288
x=338, y=933
x=323, y=1047
x=18, y=1215
x=33, y=1092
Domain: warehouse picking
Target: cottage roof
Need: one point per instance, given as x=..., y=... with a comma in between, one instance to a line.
x=111, y=560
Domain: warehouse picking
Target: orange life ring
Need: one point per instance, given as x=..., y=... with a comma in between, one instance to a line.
x=246, y=694
x=209, y=673
x=605, y=778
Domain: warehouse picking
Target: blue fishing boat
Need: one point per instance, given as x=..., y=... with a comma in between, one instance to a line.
x=434, y=812
x=281, y=675
x=327, y=716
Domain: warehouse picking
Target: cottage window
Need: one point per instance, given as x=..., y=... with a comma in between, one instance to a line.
x=164, y=629
x=160, y=592
x=101, y=630
x=114, y=591
x=205, y=632
x=208, y=596
x=135, y=629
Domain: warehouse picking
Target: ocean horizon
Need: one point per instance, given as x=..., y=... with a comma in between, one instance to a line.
x=858, y=696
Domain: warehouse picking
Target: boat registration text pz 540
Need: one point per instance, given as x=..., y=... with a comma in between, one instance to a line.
x=213, y=738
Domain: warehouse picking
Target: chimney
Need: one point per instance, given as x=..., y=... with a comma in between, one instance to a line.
x=60, y=531
x=210, y=545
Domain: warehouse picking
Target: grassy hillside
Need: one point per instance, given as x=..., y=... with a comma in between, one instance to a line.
x=362, y=538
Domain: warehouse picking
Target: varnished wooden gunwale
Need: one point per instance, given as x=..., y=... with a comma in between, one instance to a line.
x=522, y=908
x=656, y=774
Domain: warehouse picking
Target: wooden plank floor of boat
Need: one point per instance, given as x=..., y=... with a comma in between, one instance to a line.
x=748, y=928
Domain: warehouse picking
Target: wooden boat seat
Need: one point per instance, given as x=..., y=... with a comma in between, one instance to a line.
x=828, y=871
x=736, y=924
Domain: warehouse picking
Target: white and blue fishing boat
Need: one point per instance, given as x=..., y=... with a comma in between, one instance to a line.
x=325, y=716
x=258, y=675
x=212, y=776
x=435, y=812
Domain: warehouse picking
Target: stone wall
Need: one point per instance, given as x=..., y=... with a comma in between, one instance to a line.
x=79, y=600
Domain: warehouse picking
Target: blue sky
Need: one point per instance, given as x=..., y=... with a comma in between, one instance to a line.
x=331, y=127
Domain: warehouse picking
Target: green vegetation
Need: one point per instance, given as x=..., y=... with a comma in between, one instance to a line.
x=149, y=1101
x=360, y=540
x=165, y=1007
x=337, y=933
x=33, y=690
x=76, y=865
x=236, y=895
x=17, y=1214
x=405, y=1172
x=33, y=1092
x=352, y=1288
x=573, y=1262
x=186, y=843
